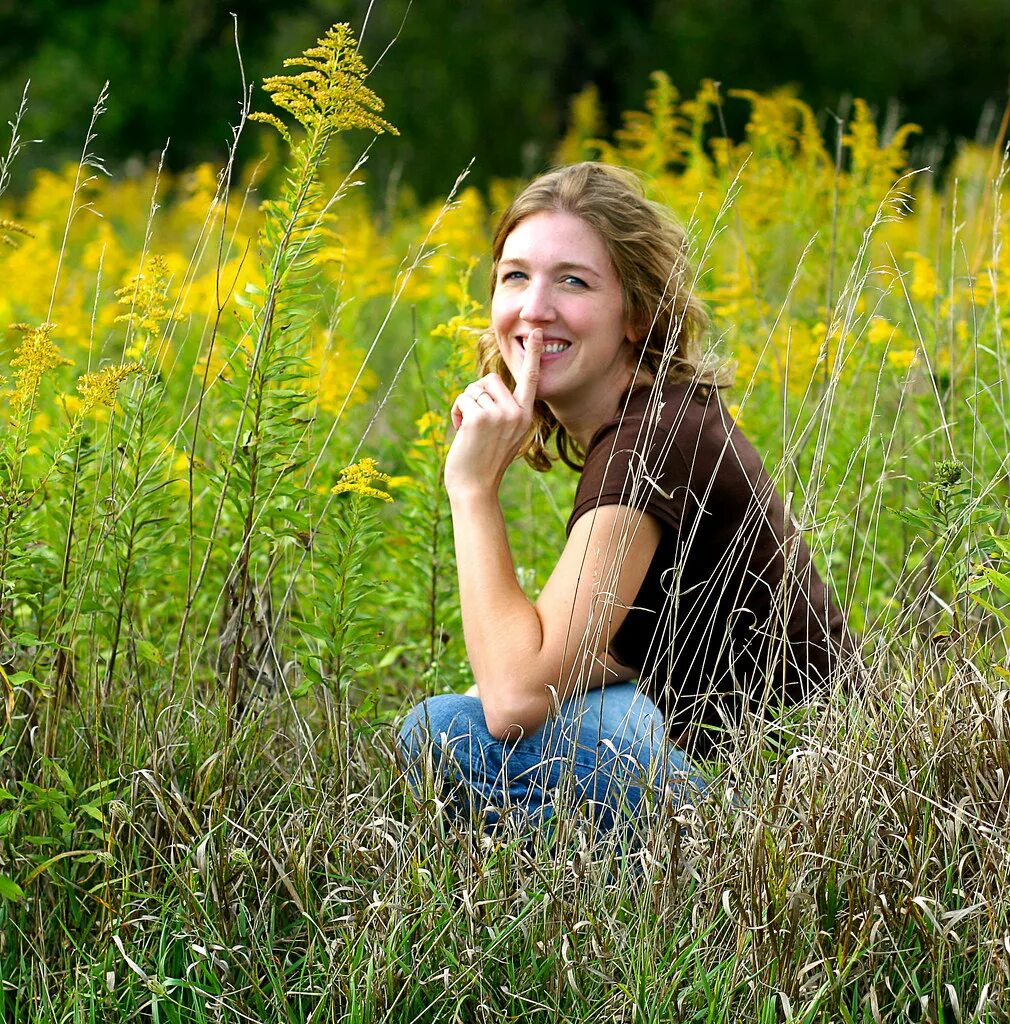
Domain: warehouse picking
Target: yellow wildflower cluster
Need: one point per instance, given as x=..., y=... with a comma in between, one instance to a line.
x=361, y=478
x=783, y=292
x=331, y=95
x=901, y=359
x=150, y=307
x=430, y=431
x=923, y=285
x=340, y=380
x=101, y=388
x=359, y=254
x=35, y=356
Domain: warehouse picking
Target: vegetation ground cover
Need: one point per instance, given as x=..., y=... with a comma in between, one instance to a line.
x=226, y=571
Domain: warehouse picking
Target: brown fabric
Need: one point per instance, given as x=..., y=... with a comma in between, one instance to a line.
x=732, y=611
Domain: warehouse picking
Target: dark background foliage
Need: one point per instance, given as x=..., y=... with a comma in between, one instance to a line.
x=491, y=79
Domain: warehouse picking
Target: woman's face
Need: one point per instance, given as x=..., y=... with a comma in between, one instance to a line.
x=555, y=273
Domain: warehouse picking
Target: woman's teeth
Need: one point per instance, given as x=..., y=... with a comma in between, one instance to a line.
x=551, y=348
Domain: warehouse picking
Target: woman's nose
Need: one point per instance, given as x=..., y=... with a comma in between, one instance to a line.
x=538, y=306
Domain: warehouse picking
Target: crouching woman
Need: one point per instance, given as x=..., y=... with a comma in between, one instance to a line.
x=682, y=600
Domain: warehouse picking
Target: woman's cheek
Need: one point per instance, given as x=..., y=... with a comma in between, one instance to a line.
x=508, y=356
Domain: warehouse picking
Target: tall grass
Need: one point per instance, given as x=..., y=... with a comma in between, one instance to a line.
x=209, y=626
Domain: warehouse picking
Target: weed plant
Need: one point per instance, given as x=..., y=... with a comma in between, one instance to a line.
x=226, y=570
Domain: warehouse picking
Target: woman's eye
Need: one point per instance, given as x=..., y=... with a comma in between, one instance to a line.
x=571, y=279
x=512, y=275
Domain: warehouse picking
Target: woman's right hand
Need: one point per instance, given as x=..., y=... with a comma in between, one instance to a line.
x=491, y=424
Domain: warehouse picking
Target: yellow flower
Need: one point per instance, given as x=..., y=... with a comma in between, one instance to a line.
x=72, y=405
x=35, y=356
x=880, y=331
x=360, y=478
x=178, y=469
x=339, y=379
x=101, y=388
x=924, y=285
x=147, y=296
x=901, y=359
x=332, y=94
x=430, y=430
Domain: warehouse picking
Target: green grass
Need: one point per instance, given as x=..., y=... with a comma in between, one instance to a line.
x=201, y=814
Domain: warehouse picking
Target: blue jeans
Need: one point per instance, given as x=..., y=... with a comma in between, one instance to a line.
x=609, y=747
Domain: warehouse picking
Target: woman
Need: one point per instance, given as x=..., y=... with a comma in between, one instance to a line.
x=680, y=569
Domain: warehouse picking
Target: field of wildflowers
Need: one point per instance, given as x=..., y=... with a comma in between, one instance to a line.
x=226, y=571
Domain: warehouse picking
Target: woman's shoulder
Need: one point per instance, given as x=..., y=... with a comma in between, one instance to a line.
x=663, y=441
x=653, y=412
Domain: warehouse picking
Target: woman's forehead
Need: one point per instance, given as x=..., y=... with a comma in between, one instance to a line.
x=558, y=238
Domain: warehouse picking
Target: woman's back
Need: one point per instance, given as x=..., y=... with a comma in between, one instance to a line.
x=731, y=606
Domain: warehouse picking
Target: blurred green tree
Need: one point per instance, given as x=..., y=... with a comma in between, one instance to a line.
x=488, y=79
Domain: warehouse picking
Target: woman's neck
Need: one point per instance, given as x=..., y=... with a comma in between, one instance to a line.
x=582, y=420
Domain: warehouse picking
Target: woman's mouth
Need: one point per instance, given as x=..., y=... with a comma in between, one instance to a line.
x=552, y=347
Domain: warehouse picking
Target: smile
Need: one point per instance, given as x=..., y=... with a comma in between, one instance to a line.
x=550, y=348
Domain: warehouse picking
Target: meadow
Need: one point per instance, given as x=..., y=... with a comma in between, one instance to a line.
x=226, y=572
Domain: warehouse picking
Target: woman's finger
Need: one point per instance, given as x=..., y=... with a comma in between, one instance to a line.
x=462, y=407
x=497, y=389
x=529, y=373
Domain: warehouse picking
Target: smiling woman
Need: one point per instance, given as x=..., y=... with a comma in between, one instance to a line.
x=681, y=568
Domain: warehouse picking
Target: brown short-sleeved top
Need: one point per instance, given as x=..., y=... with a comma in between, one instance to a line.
x=731, y=610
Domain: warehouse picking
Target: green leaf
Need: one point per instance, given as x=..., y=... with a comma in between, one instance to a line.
x=391, y=655
x=93, y=812
x=10, y=890
x=313, y=678
x=310, y=629
x=148, y=653
x=998, y=579
x=20, y=678
x=989, y=607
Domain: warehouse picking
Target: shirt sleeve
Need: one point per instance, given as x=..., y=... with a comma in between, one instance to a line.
x=635, y=463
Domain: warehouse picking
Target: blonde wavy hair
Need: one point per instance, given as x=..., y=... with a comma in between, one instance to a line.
x=648, y=250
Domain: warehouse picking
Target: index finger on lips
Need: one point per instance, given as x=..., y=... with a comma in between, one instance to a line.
x=529, y=375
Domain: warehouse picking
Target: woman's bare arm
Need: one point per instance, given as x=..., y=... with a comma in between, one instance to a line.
x=520, y=650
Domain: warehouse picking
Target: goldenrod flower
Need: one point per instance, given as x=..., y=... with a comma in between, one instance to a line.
x=430, y=430
x=901, y=359
x=360, y=478
x=34, y=356
x=147, y=297
x=71, y=404
x=101, y=388
x=880, y=331
x=332, y=94
x=924, y=285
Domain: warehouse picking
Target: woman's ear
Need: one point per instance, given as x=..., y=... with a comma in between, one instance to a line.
x=635, y=334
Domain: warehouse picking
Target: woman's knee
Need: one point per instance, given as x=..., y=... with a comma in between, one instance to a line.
x=440, y=722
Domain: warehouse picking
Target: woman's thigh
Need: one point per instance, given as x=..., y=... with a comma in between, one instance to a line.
x=608, y=745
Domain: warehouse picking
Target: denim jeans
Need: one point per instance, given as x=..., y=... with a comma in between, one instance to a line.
x=609, y=746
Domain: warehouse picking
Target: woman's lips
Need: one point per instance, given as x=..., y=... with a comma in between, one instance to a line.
x=547, y=342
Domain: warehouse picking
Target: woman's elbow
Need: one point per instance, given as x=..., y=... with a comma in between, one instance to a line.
x=508, y=721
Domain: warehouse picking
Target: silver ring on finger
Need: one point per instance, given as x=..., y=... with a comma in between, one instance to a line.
x=484, y=394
